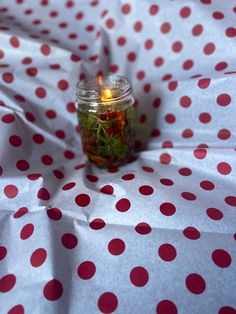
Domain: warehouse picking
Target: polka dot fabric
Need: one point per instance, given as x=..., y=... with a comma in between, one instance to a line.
x=156, y=235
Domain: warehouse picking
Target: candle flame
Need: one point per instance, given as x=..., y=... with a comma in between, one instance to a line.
x=106, y=93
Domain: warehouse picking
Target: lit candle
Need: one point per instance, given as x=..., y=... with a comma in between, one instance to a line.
x=105, y=112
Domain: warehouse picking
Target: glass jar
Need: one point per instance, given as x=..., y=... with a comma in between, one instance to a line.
x=105, y=114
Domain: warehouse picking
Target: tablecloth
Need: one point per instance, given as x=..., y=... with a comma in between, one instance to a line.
x=156, y=235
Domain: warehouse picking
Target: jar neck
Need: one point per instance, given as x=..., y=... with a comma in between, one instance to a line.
x=104, y=94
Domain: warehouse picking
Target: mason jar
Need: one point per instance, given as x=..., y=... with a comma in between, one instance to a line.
x=105, y=114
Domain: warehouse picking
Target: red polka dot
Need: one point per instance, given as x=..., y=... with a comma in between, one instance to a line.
x=69, y=240
x=185, y=12
x=230, y=32
x=20, y=212
x=165, y=27
x=230, y=200
x=139, y=276
x=38, y=257
x=26, y=231
x=172, y=85
x=113, y=68
x=166, y=307
x=221, y=66
x=38, y=138
x=167, y=252
x=156, y=133
x=148, y=169
x=110, y=23
x=82, y=200
x=27, y=60
x=187, y=133
x=45, y=50
x=3, y=252
x=204, y=83
x=53, y=290
x=32, y=71
x=55, y=66
x=7, y=283
x=121, y=41
x=177, y=46
x=43, y=194
x=131, y=56
x=191, y=233
x=206, y=1
x=97, y=224
x=140, y=75
x=8, y=118
x=128, y=176
x=63, y=85
x=68, y=186
x=156, y=103
x=185, y=171
x=188, y=64
x=2, y=54
x=107, y=302
x=116, y=246
x=33, y=176
x=10, y=191
x=60, y=134
x=207, y=185
x=185, y=101
x=86, y=270
x=22, y=165
x=166, y=182
x=138, y=26
x=165, y=158
x=188, y=196
x=200, y=153
x=17, y=309
x=40, y=92
x=148, y=44
x=143, y=228
x=214, y=213
x=51, y=114
x=126, y=8
x=153, y=10
x=123, y=205
x=58, y=174
x=54, y=213
x=8, y=77
x=69, y=154
x=224, y=134
x=224, y=168
x=195, y=283
x=14, y=41
x=19, y=98
x=221, y=258
x=223, y=99
x=92, y=178
x=205, y=117
x=167, y=144
x=197, y=30
x=227, y=310
x=167, y=209
x=47, y=160
x=146, y=190
x=107, y=189
x=209, y=48
x=15, y=140
x=158, y=61
x=30, y=117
